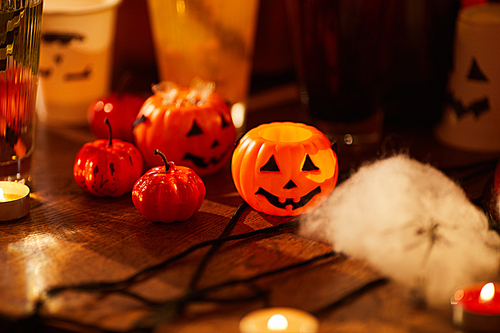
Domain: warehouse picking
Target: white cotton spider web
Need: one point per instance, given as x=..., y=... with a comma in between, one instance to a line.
x=413, y=224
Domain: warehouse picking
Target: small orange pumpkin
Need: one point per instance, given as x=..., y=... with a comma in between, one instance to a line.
x=284, y=169
x=192, y=126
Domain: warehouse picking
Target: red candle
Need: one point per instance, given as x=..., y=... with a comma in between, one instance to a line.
x=477, y=308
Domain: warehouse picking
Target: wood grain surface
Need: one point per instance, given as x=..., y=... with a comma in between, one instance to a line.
x=83, y=246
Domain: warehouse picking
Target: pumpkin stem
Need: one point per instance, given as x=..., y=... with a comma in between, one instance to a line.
x=106, y=121
x=164, y=158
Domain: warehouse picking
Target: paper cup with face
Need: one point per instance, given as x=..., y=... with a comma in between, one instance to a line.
x=471, y=116
x=75, y=58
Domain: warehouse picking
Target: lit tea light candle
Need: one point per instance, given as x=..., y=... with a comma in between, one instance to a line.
x=14, y=200
x=477, y=308
x=279, y=320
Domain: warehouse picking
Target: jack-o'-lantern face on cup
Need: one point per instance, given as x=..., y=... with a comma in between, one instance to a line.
x=471, y=116
x=284, y=169
x=75, y=58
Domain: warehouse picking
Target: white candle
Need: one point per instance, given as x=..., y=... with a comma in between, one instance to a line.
x=14, y=200
x=279, y=320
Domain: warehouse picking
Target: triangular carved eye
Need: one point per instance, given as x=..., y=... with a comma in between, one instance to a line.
x=475, y=73
x=224, y=122
x=309, y=165
x=270, y=166
x=195, y=129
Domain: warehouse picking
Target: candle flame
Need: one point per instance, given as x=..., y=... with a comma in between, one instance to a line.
x=2, y=197
x=238, y=114
x=277, y=322
x=487, y=292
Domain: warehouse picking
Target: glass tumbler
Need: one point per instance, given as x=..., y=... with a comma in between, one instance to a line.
x=20, y=26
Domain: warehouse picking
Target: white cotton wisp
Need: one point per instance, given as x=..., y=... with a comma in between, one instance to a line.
x=413, y=224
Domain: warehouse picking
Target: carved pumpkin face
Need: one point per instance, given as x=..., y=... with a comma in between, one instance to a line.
x=199, y=135
x=284, y=168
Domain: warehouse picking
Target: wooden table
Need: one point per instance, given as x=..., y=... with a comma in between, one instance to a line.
x=74, y=239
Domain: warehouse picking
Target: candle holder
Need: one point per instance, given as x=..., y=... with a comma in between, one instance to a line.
x=278, y=319
x=14, y=200
x=476, y=308
x=284, y=168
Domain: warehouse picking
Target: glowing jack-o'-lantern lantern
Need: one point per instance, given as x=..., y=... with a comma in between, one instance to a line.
x=192, y=126
x=284, y=169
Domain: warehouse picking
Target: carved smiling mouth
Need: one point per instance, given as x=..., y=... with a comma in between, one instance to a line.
x=200, y=161
x=274, y=200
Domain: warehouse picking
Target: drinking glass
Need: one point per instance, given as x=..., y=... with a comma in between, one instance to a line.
x=209, y=39
x=20, y=26
x=341, y=49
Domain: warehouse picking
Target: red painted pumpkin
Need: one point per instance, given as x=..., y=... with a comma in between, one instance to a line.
x=107, y=167
x=193, y=127
x=284, y=168
x=168, y=193
x=121, y=109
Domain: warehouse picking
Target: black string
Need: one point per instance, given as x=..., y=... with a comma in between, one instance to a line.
x=143, y=274
x=119, y=287
x=216, y=246
x=193, y=294
x=196, y=295
x=352, y=295
x=167, y=307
